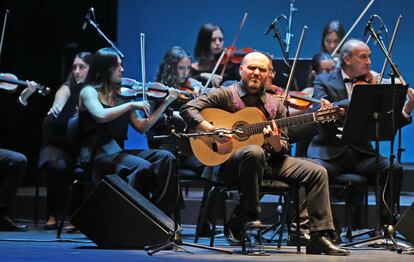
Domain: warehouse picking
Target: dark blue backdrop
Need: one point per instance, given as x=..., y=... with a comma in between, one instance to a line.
x=169, y=23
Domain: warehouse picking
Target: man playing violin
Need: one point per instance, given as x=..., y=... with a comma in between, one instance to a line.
x=249, y=165
x=329, y=150
x=12, y=164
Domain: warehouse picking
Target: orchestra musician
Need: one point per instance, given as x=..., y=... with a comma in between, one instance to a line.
x=332, y=34
x=252, y=163
x=174, y=72
x=12, y=164
x=104, y=118
x=57, y=156
x=208, y=48
x=329, y=150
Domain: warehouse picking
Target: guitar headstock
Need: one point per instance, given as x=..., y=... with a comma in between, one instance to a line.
x=327, y=115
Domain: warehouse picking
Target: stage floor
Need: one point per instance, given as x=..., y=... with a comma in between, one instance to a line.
x=40, y=245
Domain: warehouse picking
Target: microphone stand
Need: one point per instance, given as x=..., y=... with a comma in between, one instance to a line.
x=289, y=27
x=283, y=46
x=389, y=232
x=92, y=23
x=175, y=241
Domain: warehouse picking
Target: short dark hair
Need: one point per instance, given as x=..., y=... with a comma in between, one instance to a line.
x=316, y=61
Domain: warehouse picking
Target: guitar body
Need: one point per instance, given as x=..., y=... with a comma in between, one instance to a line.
x=212, y=154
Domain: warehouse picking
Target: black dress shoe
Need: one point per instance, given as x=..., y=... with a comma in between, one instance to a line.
x=7, y=224
x=322, y=245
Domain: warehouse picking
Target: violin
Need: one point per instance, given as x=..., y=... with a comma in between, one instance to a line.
x=365, y=79
x=296, y=100
x=234, y=55
x=131, y=88
x=9, y=82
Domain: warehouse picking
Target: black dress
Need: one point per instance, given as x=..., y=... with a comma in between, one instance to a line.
x=151, y=172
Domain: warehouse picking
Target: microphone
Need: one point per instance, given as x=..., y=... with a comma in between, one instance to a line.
x=87, y=18
x=368, y=26
x=271, y=26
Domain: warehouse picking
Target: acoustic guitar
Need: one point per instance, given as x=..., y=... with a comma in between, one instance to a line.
x=246, y=126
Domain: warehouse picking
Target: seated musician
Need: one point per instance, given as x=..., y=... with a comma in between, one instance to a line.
x=333, y=153
x=250, y=164
x=174, y=72
x=104, y=118
x=12, y=163
x=208, y=48
x=57, y=156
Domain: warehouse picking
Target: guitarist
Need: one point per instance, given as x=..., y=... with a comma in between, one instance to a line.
x=251, y=164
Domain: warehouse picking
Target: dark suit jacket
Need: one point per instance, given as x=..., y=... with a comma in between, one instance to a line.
x=327, y=145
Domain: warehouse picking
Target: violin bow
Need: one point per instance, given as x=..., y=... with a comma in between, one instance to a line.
x=143, y=72
x=4, y=30
x=292, y=71
x=236, y=37
x=334, y=53
x=222, y=56
x=397, y=25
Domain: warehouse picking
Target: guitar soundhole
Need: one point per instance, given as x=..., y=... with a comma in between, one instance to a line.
x=239, y=125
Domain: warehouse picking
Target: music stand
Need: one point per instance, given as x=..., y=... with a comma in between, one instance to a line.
x=370, y=117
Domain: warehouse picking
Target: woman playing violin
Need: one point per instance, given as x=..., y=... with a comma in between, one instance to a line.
x=209, y=46
x=105, y=119
x=174, y=71
x=332, y=34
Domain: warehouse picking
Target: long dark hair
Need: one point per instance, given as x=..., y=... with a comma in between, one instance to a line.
x=167, y=71
x=333, y=26
x=86, y=57
x=105, y=60
x=202, y=52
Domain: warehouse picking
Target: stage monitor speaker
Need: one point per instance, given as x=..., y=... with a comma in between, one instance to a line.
x=405, y=224
x=115, y=215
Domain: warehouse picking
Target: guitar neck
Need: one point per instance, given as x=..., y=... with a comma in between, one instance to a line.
x=257, y=128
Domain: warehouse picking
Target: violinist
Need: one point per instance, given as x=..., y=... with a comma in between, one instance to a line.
x=329, y=150
x=12, y=163
x=321, y=63
x=332, y=34
x=174, y=72
x=208, y=48
x=56, y=157
x=104, y=119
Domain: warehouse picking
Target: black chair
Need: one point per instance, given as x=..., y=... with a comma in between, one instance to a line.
x=274, y=187
x=81, y=172
x=349, y=184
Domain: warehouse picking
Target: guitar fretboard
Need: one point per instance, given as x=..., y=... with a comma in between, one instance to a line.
x=257, y=128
